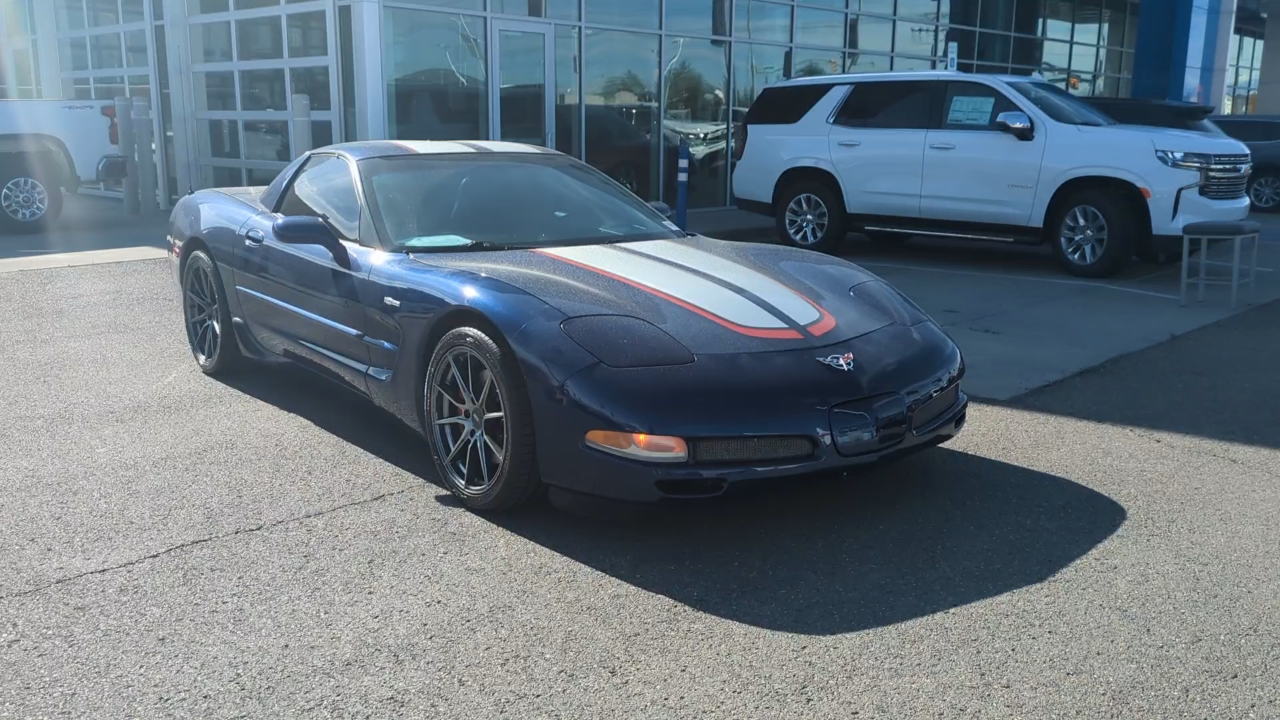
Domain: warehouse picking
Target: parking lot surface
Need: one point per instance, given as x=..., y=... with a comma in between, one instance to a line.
x=173, y=545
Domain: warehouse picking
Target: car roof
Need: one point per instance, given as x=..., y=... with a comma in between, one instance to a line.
x=389, y=148
x=901, y=75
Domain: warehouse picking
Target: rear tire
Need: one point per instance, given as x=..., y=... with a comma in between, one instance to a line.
x=1092, y=233
x=28, y=203
x=810, y=215
x=207, y=316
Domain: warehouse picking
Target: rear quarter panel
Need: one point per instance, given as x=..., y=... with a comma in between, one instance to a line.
x=211, y=219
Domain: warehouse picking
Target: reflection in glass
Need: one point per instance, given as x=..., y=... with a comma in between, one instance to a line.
x=259, y=39
x=522, y=86
x=321, y=133
x=132, y=11
x=108, y=88
x=70, y=14
x=819, y=27
x=808, y=63
x=698, y=17
x=136, y=48
x=307, y=36
x=1056, y=56
x=905, y=64
x=918, y=39
x=263, y=90
x=961, y=12
x=994, y=48
x=346, y=74
x=75, y=53
x=696, y=84
x=211, y=42
x=755, y=67
x=620, y=72
x=870, y=33
x=200, y=7
x=1026, y=52
x=266, y=140
x=221, y=176
x=879, y=7
x=642, y=14
x=1084, y=58
x=258, y=177
x=437, y=87
x=103, y=12
x=313, y=82
x=760, y=20
x=106, y=52
x=921, y=10
x=139, y=86
x=552, y=9
x=865, y=63
x=221, y=139
x=568, y=92
x=215, y=90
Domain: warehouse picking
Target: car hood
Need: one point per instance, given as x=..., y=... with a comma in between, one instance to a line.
x=1176, y=140
x=710, y=295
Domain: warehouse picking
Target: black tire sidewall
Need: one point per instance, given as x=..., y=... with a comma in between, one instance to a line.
x=228, y=351
x=836, y=229
x=1249, y=191
x=1122, y=229
x=517, y=480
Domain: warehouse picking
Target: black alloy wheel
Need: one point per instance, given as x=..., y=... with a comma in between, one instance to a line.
x=207, y=317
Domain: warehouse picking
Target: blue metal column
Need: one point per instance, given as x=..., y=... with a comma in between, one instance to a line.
x=1177, y=43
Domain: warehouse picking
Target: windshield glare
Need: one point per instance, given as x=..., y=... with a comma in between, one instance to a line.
x=1061, y=105
x=434, y=202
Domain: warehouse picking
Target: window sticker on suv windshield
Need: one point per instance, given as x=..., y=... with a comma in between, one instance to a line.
x=970, y=110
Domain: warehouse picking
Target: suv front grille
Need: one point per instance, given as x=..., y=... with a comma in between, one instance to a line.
x=1227, y=178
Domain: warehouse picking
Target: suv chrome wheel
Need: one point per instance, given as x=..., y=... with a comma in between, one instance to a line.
x=1264, y=192
x=1083, y=235
x=807, y=219
x=468, y=418
x=24, y=199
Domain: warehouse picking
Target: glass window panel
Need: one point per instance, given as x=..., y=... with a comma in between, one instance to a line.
x=74, y=53
x=1057, y=20
x=260, y=177
x=811, y=63
x=22, y=68
x=755, y=67
x=870, y=33
x=879, y=7
x=346, y=74
x=1126, y=64
x=307, y=35
x=958, y=12
x=834, y=4
x=252, y=4
x=696, y=87
x=906, y=63
x=202, y=7
x=1257, y=54
x=920, y=10
x=321, y=133
x=994, y=48
x=139, y=86
x=266, y=140
x=568, y=92
x=103, y=12
x=625, y=13
x=700, y=17
x=1055, y=58
x=522, y=85
x=819, y=27
x=1114, y=13
x=1026, y=51
x=1109, y=60
x=759, y=20
x=108, y=88
x=435, y=67
x=221, y=139
x=133, y=11
x=211, y=42
x=105, y=51
x=221, y=176
x=620, y=72
x=136, y=48
x=313, y=82
x=157, y=10
x=215, y=90
x=966, y=44
x=1110, y=86
x=78, y=88
x=459, y=4
x=1244, y=77
x=919, y=39
x=1081, y=85
x=263, y=90
x=996, y=15
x=1084, y=58
x=865, y=63
x=553, y=9
x=70, y=14
x=259, y=39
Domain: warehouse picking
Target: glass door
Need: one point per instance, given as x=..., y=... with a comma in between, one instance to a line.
x=523, y=93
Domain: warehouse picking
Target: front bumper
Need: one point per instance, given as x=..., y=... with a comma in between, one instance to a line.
x=1182, y=204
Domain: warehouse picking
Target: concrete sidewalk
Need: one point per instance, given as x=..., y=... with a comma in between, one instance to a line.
x=89, y=232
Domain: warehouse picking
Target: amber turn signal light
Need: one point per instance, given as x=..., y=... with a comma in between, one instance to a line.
x=639, y=446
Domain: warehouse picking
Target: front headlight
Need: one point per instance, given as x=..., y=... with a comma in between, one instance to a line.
x=1184, y=160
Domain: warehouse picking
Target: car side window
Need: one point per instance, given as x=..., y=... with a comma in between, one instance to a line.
x=325, y=188
x=973, y=106
x=899, y=105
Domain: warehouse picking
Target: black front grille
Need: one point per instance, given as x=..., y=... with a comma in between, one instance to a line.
x=749, y=449
x=1227, y=178
x=935, y=408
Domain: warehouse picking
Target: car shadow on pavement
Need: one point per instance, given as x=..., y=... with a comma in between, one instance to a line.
x=824, y=556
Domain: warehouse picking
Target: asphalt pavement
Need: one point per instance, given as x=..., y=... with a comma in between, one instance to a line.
x=177, y=546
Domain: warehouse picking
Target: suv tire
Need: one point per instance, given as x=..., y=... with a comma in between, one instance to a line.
x=1264, y=191
x=1092, y=233
x=810, y=216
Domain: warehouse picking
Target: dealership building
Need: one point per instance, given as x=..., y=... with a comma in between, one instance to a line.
x=618, y=83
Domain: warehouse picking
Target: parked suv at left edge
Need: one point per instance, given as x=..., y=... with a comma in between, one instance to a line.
x=978, y=157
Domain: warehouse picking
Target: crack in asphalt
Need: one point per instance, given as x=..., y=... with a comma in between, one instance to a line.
x=202, y=541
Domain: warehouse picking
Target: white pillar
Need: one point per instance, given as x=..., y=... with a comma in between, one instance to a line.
x=370, y=85
x=1269, y=77
x=44, y=26
x=1214, y=94
x=177, y=38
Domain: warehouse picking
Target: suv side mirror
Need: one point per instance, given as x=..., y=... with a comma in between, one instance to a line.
x=1017, y=124
x=304, y=230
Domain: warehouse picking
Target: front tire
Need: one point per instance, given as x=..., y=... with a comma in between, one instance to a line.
x=1092, y=233
x=810, y=216
x=1264, y=191
x=27, y=203
x=207, y=316
x=478, y=422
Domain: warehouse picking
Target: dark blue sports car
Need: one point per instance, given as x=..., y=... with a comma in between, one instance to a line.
x=542, y=326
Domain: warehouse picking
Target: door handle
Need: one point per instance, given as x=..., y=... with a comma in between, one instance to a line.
x=943, y=146
x=849, y=143
x=254, y=238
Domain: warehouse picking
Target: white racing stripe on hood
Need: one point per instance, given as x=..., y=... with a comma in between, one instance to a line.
x=762, y=286
x=673, y=281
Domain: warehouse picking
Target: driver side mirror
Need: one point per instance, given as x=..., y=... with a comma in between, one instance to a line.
x=663, y=208
x=304, y=230
x=1017, y=124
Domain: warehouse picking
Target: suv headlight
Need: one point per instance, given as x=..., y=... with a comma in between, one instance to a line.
x=1184, y=160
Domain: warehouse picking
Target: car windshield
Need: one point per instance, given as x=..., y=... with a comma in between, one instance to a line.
x=1061, y=105
x=502, y=200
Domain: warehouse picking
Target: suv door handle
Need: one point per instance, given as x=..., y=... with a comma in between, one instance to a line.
x=943, y=146
x=254, y=238
x=849, y=143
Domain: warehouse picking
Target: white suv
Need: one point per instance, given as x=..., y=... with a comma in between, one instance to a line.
x=981, y=157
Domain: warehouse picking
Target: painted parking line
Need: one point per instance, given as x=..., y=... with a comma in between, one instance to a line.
x=87, y=257
x=1033, y=278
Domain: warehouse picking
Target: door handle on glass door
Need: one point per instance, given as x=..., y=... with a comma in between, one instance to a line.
x=849, y=143
x=254, y=238
x=943, y=146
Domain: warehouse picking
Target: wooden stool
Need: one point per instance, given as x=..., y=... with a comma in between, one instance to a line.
x=1236, y=231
